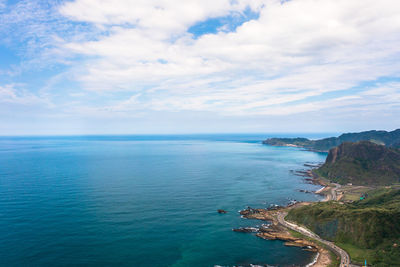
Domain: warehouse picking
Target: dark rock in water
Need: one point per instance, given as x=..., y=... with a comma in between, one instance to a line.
x=293, y=202
x=312, y=165
x=305, y=191
x=273, y=207
x=246, y=230
x=221, y=211
x=302, y=173
x=264, y=228
x=312, y=181
x=249, y=211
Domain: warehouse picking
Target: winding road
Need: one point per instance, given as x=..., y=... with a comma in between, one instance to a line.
x=344, y=257
x=332, y=192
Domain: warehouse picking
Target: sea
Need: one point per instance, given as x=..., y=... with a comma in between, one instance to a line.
x=148, y=200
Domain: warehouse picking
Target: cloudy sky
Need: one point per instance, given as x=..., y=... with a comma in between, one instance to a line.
x=198, y=66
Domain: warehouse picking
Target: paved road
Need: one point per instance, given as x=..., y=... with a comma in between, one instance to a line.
x=332, y=193
x=344, y=257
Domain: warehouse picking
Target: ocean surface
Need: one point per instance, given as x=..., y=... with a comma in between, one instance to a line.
x=144, y=200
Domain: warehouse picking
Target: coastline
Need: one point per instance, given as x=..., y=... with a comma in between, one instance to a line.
x=319, y=191
x=277, y=230
x=314, y=261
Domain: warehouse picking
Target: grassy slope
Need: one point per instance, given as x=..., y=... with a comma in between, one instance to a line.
x=366, y=229
x=362, y=163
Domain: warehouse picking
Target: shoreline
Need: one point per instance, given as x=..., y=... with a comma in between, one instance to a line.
x=319, y=191
x=278, y=231
x=314, y=260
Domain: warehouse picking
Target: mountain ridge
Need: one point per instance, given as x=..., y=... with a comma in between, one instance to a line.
x=390, y=139
x=361, y=163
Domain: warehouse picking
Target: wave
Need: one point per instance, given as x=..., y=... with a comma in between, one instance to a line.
x=314, y=261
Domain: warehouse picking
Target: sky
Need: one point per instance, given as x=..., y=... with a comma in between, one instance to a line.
x=198, y=66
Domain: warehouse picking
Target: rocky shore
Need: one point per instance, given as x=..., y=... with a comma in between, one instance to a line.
x=311, y=177
x=275, y=231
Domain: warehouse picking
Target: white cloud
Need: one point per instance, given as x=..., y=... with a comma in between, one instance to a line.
x=16, y=94
x=294, y=50
x=298, y=56
x=167, y=16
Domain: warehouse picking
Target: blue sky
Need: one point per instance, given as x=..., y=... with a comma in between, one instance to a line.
x=198, y=66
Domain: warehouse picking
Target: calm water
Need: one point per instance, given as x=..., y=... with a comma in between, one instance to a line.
x=143, y=201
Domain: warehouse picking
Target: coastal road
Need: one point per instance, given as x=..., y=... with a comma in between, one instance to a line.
x=344, y=257
x=334, y=191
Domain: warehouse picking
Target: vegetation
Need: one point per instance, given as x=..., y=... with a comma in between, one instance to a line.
x=357, y=254
x=367, y=229
x=350, y=193
x=303, y=142
x=362, y=163
x=335, y=260
x=390, y=139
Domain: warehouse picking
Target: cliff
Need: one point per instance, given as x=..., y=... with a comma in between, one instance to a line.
x=362, y=163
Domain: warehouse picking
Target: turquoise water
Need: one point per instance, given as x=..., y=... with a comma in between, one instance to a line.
x=143, y=201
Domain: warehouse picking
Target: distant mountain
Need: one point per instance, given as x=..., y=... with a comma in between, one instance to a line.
x=366, y=229
x=390, y=139
x=362, y=163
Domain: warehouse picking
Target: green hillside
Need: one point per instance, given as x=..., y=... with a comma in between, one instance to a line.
x=368, y=228
x=390, y=139
x=362, y=163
